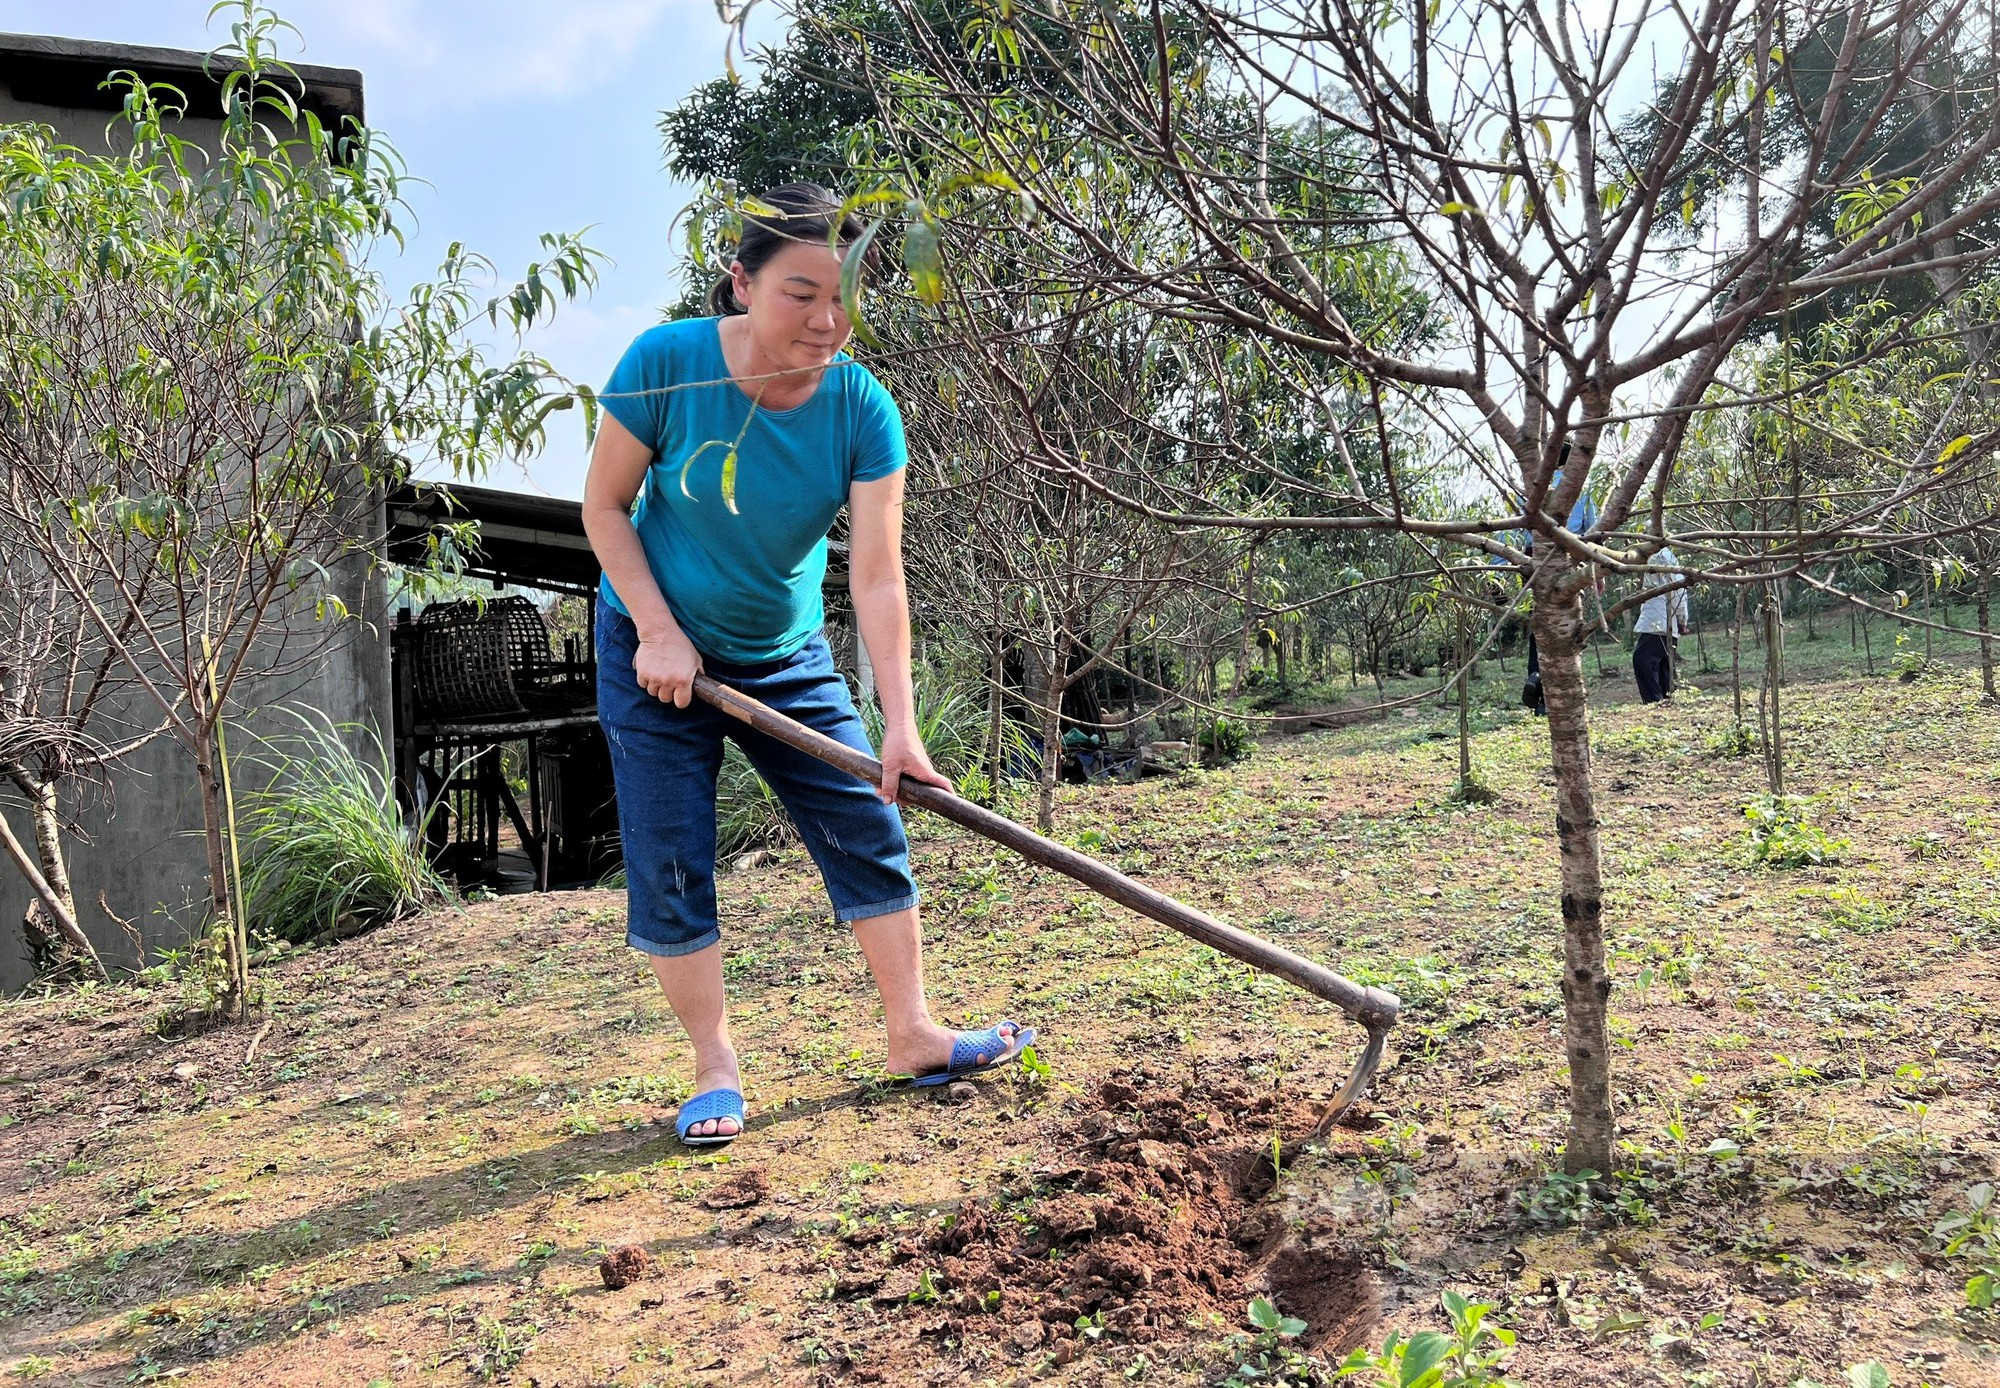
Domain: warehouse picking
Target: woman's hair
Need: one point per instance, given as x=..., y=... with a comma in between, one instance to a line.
x=805, y=213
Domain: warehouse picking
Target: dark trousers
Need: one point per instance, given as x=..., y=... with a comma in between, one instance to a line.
x=1653, y=667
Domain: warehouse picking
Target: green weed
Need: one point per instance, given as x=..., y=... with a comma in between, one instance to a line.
x=1974, y=1235
x=327, y=841
x=1268, y=1356
x=1561, y=1199
x=1736, y=740
x=1781, y=834
x=498, y=1346
x=1223, y=741
x=1468, y=1357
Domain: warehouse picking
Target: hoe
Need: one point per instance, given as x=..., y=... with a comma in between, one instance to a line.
x=1371, y=1007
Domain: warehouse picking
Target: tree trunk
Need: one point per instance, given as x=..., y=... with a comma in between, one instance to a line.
x=1736, y=659
x=1045, y=802
x=1464, y=709
x=48, y=848
x=864, y=668
x=1131, y=694
x=1927, y=615
x=1586, y=983
x=236, y=985
x=995, y=712
x=1243, y=633
x=1769, y=723
x=52, y=892
x=1983, y=595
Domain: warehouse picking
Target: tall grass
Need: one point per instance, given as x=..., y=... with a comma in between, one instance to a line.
x=951, y=720
x=748, y=813
x=328, y=849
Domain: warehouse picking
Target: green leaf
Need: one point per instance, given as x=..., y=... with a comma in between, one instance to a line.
x=923, y=256
x=1954, y=448
x=1427, y=1349
x=729, y=482
x=1616, y=1324
x=979, y=178
x=1263, y=1314
x=1722, y=1149
x=850, y=282
x=1868, y=1375
x=1979, y=1292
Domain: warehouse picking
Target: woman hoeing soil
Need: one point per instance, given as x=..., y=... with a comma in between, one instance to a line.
x=741, y=436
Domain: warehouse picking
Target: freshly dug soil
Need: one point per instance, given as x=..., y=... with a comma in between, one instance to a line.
x=1161, y=1217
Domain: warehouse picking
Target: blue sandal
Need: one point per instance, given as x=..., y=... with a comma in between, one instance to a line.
x=971, y=1051
x=716, y=1103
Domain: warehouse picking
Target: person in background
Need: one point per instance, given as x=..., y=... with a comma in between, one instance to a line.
x=1582, y=518
x=1663, y=620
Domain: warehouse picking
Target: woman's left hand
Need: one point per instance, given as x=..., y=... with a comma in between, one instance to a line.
x=903, y=755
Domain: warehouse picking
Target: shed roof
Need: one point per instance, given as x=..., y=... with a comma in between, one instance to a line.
x=525, y=541
x=69, y=73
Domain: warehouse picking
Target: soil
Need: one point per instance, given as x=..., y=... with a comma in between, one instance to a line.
x=454, y=1120
x=740, y=1192
x=1154, y=1224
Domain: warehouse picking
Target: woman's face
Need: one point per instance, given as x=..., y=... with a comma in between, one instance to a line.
x=796, y=318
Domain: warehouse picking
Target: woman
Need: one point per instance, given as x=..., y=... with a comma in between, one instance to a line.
x=741, y=436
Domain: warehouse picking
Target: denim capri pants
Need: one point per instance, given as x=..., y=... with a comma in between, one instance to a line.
x=664, y=762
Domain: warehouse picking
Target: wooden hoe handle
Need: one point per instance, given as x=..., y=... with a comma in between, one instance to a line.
x=1371, y=1007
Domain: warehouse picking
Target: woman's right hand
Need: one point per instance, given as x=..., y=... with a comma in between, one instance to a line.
x=666, y=668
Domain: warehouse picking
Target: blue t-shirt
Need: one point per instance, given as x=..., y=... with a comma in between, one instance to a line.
x=744, y=584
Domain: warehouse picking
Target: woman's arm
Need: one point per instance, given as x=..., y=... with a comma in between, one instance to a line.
x=882, y=611
x=667, y=661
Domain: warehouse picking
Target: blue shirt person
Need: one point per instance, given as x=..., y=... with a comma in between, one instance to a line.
x=740, y=437
x=739, y=498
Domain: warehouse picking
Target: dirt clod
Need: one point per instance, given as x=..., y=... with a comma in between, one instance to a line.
x=961, y=1093
x=623, y=1266
x=739, y=1192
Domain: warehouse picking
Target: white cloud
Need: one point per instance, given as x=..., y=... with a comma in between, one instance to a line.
x=459, y=51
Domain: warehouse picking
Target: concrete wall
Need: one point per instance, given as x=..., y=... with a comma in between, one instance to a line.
x=141, y=851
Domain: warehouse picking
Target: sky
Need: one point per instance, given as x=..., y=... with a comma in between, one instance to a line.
x=522, y=116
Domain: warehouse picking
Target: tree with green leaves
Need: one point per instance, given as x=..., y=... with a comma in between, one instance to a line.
x=205, y=388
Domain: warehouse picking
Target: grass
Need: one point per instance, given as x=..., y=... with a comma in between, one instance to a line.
x=326, y=845
x=454, y=1115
